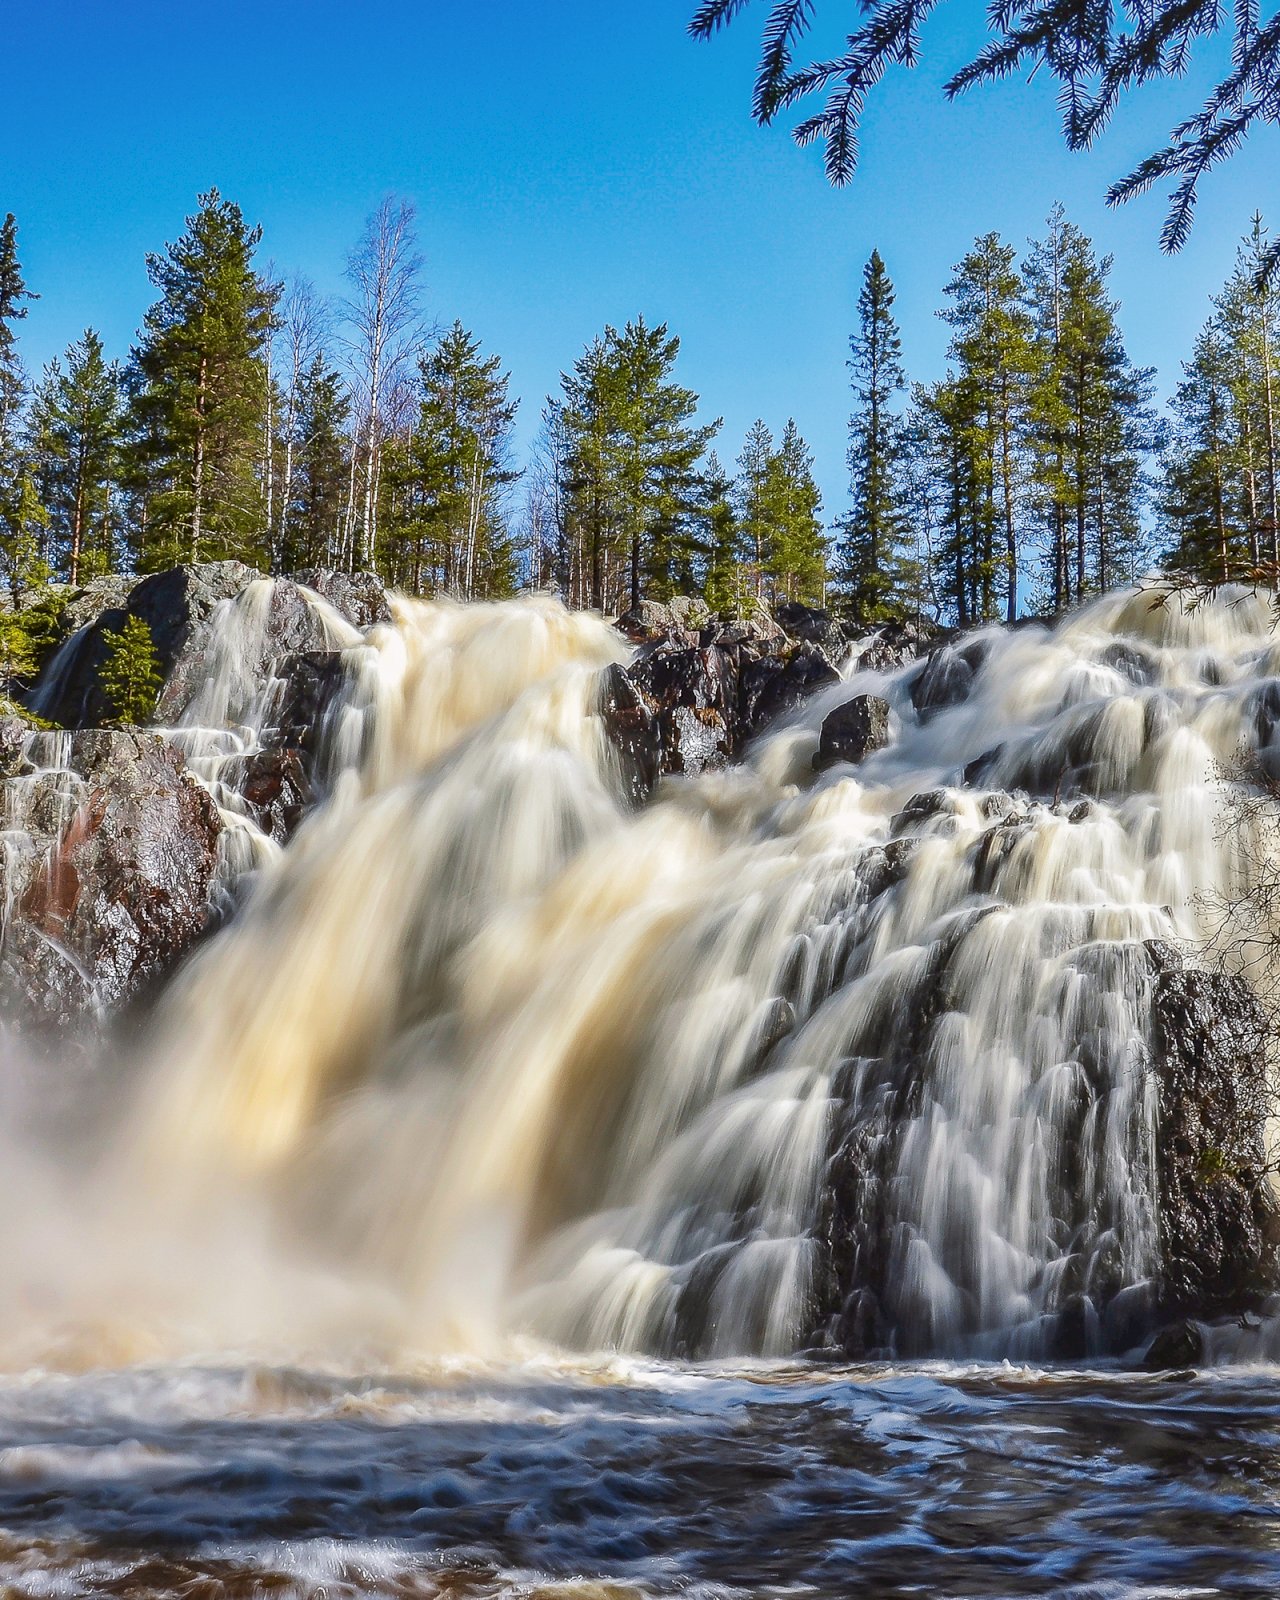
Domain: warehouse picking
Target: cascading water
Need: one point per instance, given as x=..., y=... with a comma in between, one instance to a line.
x=502, y=1053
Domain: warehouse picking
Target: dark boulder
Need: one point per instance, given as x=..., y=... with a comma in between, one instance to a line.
x=694, y=739
x=276, y=787
x=114, y=900
x=173, y=604
x=812, y=625
x=1220, y=1232
x=289, y=624
x=853, y=731
x=774, y=687
x=1177, y=1346
x=948, y=676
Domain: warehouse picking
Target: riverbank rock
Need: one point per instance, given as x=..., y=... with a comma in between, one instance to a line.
x=173, y=604
x=180, y=607
x=112, y=885
x=1220, y=1228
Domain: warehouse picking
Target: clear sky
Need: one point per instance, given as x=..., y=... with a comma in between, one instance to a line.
x=574, y=163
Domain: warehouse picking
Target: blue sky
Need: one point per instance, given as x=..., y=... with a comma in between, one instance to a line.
x=574, y=163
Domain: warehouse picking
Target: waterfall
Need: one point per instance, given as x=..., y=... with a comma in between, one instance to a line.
x=509, y=1055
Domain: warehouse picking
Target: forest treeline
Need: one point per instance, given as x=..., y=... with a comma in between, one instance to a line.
x=252, y=419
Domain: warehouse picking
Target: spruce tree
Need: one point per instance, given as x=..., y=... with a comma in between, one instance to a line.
x=131, y=673
x=76, y=430
x=995, y=360
x=14, y=295
x=24, y=526
x=795, y=552
x=319, y=479
x=200, y=387
x=874, y=567
x=448, y=527
x=719, y=539
x=753, y=523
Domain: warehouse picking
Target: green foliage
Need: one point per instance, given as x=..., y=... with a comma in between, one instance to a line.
x=131, y=673
x=876, y=568
x=1221, y=500
x=445, y=527
x=77, y=436
x=199, y=394
x=627, y=459
x=1097, y=54
x=320, y=480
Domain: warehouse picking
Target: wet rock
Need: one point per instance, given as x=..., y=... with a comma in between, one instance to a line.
x=121, y=893
x=812, y=625
x=852, y=732
x=694, y=739
x=291, y=625
x=947, y=677
x=361, y=597
x=889, y=647
x=921, y=807
x=1126, y=658
x=275, y=785
x=774, y=687
x=633, y=732
x=173, y=604
x=1220, y=1233
x=1179, y=1345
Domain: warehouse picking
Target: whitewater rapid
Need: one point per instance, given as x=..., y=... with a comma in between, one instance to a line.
x=485, y=1052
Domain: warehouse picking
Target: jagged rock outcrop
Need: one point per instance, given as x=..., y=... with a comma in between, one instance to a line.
x=173, y=604
x=112, y=887
x=178, y=607
x=710, y=684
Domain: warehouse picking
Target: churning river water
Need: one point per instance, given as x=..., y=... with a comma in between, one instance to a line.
x=486, y=1056
x=606, y=1479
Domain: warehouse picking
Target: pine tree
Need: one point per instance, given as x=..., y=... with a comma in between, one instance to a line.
x=1201, y=504
x=200, y=386
x=874, y=567
x=13, y=384
x=1249, y=316
x=631, y=452
x=995, y=360
x=318, y=480
x=76, y=423
x=131, y=673
x=1090, y=422
x=451, y=475
x=795, y=552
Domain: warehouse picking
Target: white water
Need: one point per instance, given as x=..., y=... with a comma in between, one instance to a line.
x=485, y=1051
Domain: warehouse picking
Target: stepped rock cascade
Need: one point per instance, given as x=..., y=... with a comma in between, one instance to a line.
x=858, y=1058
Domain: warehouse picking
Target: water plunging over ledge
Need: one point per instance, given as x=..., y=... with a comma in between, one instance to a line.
x=487, y=1051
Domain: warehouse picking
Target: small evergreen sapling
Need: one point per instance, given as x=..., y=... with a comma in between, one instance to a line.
x=131, y=673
